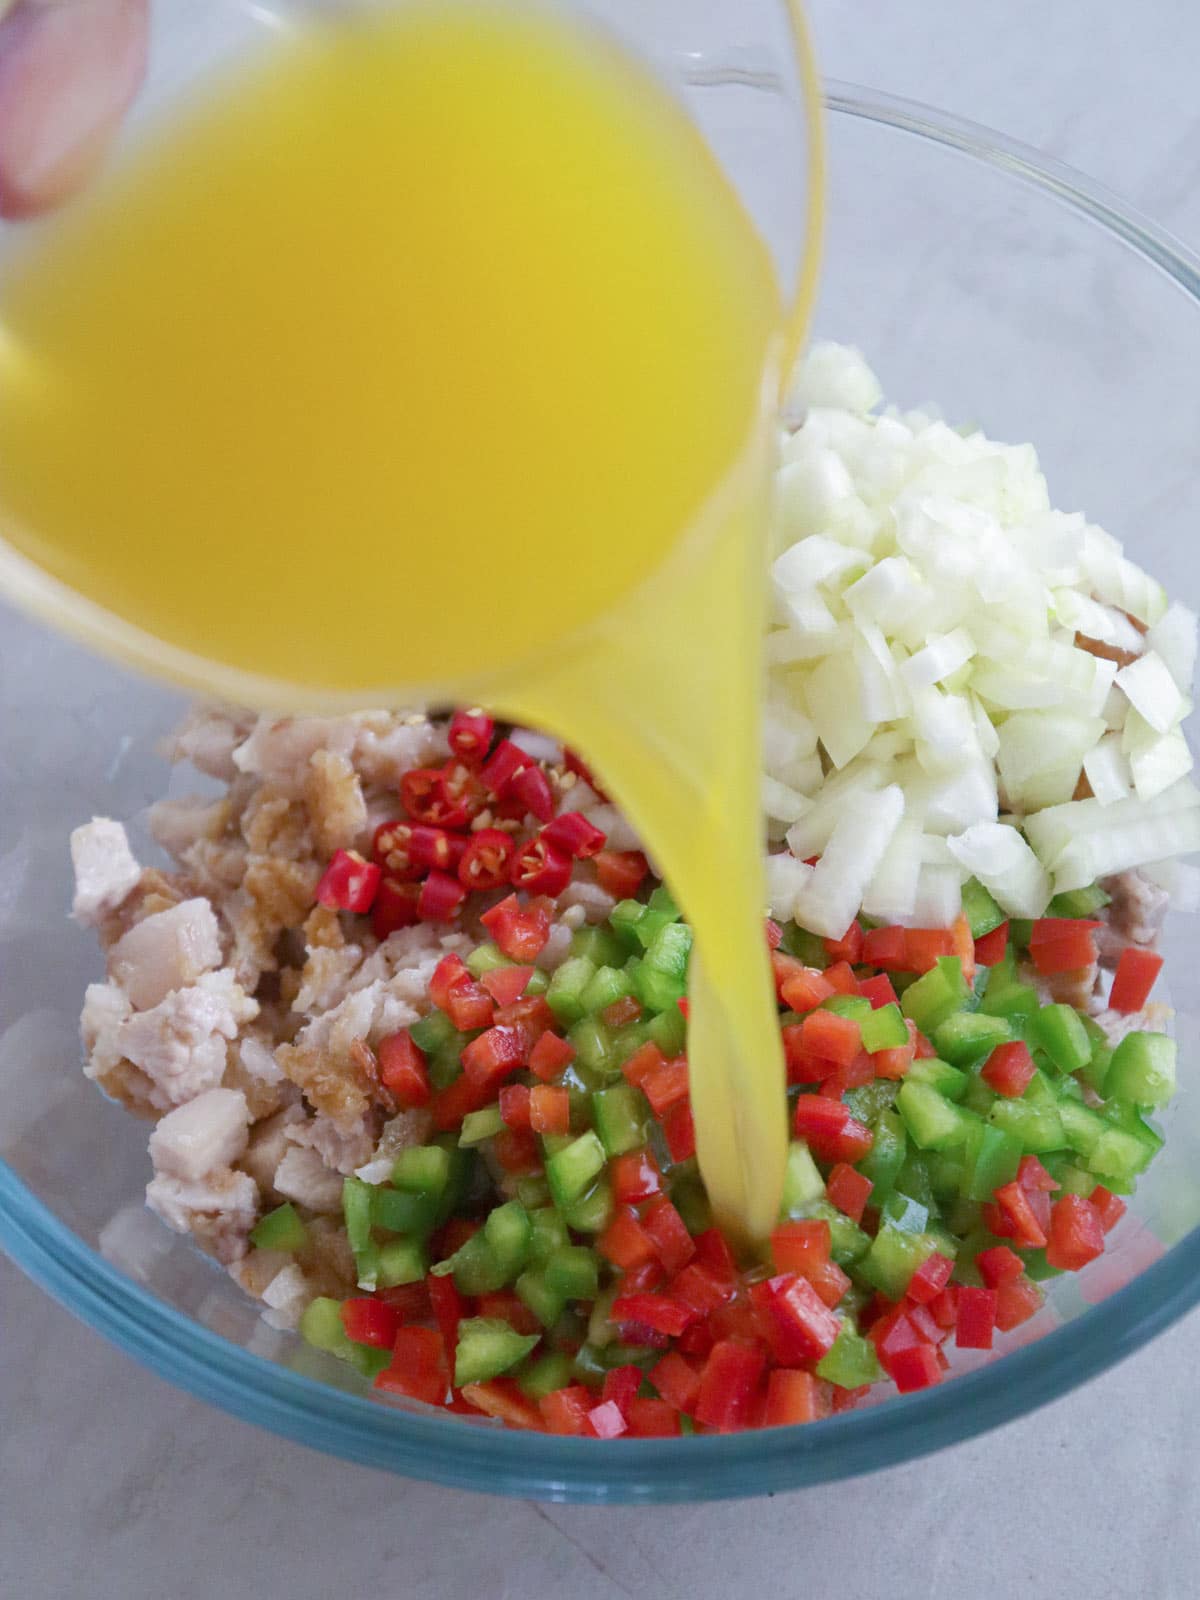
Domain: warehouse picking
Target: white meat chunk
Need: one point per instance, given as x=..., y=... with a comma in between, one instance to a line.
x=177, y=825
x=180, y=1043
x=209, y=1132
x=208, y=739
x=106, y=1009
x=401, y=1132
x=302, y=1176
x=105, y=869
x=218, y=1210
x=167, y=950
x=286, y=1297
x=341, y=1149
x=268, y=1145
x=1116, y=1024
x=1135, y=916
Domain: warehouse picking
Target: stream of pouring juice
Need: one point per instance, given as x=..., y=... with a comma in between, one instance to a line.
x=434, y=352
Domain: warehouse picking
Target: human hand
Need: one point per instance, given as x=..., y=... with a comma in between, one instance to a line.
x=69, y=71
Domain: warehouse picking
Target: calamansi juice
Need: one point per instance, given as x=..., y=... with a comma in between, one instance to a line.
x=435, y=351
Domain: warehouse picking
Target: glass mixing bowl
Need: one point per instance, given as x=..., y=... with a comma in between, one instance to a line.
x=972, y=272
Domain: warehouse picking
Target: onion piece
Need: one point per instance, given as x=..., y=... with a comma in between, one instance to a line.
x=1004, y=864
x=828, y=901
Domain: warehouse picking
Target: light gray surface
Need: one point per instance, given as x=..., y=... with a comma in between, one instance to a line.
x=112, y=1484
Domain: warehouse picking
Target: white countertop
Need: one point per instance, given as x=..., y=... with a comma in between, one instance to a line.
x=113, y=1484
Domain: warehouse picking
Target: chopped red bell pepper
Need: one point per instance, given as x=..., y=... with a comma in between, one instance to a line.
x=677, y=1380
x=607, y=1420
x=500, y=1397
x=450, y=1105
x=514, y=1105
x=976, y=1324
x=621, y=1012
x=930, y=1278
x=516, y=1149
x=451, y=969
x=828, y=1037
x=470, y=735
x=506, y=985
x=635, y=1177
x=620, y=1385
x=621, y=872
x=963, y=946
x=848, y=1190
x=998, y=1265
x=884, y=947
x=848, y=948
x=550, y=1056
x=991, y=947
x=549, y=1109
x=1135, y=976
x=673, y=1244
x=728, y=1383
x=1017, y=1205
x=804, y=989
x=803, y=1326
x=699, y=1287
x=371, y=1322
x=841, y=976
x=572, y=832
x=419, y=1368
x=649, y=1418
x=448, y=1309
x=1016, y=1301
x=916, y=1367
x=1009, y=1069
x=679, y=1131
x=831, y=1132
x=402, y=1070
x=943, y=1308
x=712, y=1249
x=801, y=1246
x=666, y=1086
x=441, y=897
x=395, y=906
x=565, y=1411
x=878, y=990
x=487, y=861
x=642, y=1064
x=795, y=1396
x=657, y=1311
x=774, y=934
x=531, y=1013
x=643, y=1279
x=924, y=948
x=468, y=1005
x=1076, y=1233
x=531, y=789
x=1032, y=1175
x=496, y=1053
x=625, y=1242
x=349, y=882
x=1062, y=944
x=1110, y=1208
x=521, y=932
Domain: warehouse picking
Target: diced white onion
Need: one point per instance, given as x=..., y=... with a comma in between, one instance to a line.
x=1005, y=865
x=1108, y=771
x=1173, y=637
x=785, y=878
x=828, y=901
x=1149, y=687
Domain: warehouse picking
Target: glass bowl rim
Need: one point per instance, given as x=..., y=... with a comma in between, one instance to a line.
x=491, y=1459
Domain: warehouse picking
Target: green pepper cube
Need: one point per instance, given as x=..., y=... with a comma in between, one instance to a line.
x=624, y=919
x=883, y=1029
x=969, y=1036
x=480, y=1125
x=668, y=1030
x=571, y=1170
x=991, y=1158
x=1142, y=1069
x=885, y=1158
x=599, y=945
x=422, y=1169
x=433, y=1033
x=893, y=1258
x=1059, y=1031
x=475, y=1265
x=981, y=911
x=802, y=1182
x=356, y=1208
x=398, y=1211
x=552, y=1371
x=932, y=1122
x=851, y=1005
x=950, y=1082
x=606, y=985
x=567, y=985
x=592, y=1211
x=321, y=1325
x=488, y=1346
x=938, y=994
x=548, y=1233
x=850, y=1362
x=906, y=1215
x=280, y=1229
x=509, y=1232
x=545, y=1303
x=573, y=1272
x=1079, y=902
x=487, y=957
x=619, y=1115
x=401, y=1261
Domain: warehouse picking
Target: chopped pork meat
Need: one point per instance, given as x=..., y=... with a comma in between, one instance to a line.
x=1135, y=916
x=168, y=950
x=105, y=869
x=208, y=1133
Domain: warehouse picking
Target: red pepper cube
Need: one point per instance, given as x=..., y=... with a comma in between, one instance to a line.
x=1062, y=944
x=395, y=907
x=419, y=1369
x=696, y=1286
x=650, y=1275
x=531, y=1013
x=607, y=1420
x=893, y=1333
x=1110, y=1208
x=565, y=1411
x=677, y=1380
x=503, y=1305
x=645, y=1061
x=402, y=1070
x=1018, y=1206
x=795, y=1396
x=830, y=1131
x=884, y=947
x=620, y=872
x=830, y=1282
x=658, y=1311
x=712, y=1250
x=621, y=1384
x=841, y=976
x=804, y=1327
x=1009, y=1069
x=502, y=1398
x=1076, y=1233
x=924, y=948
x=515, y=1105
x=805, y=989
x=531, y=789
x=486, y=1061
x=916, y=1368
x=506, y=985
x=848, y=1190
x=468, y=1005
x=673, y=1244
x=679, y=1131
x=802, y=1246
x=521, y=933
x=878, y=990
x=943, y=1308
x=540, y=867
x=774, y=934
x=999, y=1265
x=550, y=1056
x=848, y=948
x=447, y=1307
x=728, y=1383
x=1016, y=1301
x=830, y=1037
x=621, y=1012
x=349, y=883
x=635, y=1177
x=1032, y=1176
x=992, y=946
x=449, y=971
x=370, y=1322
x=516, y=1149
x=666, y=1086
x=893, y=1062
x=625, y=1242
x=923, y=1320
x=450, y=1105
x=930, y=1278
x=549, y=1109
x=571, y=831
x=1135, y=977
x=651, y=1419
x=976, y=1324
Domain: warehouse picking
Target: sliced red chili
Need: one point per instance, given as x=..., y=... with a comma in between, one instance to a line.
x=392, y=848
x=621, y=872
x=531, y=788
x=441, y=898
x=541, y=868
x=571, y=831
x=424, y=797
x=470, y=735
x=349, y=883
x=487, y=859
x=395, y=906
x=437, y=847
x=502, y=766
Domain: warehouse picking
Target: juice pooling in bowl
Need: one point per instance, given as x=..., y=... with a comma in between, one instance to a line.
x=436, y=353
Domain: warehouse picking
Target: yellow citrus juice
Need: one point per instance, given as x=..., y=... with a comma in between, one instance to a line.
x=435, y=352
